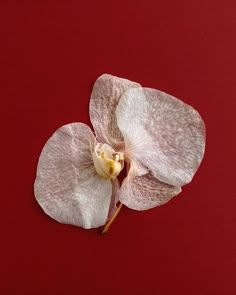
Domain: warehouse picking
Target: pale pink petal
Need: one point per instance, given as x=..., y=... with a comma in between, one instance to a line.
x=105, y=96
x=67, y=186
x=145, y=192
x=162, y=132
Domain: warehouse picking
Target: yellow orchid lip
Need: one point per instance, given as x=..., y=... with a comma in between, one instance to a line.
x=107, y=162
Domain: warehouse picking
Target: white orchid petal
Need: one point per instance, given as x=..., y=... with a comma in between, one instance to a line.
x=67, y=186
x=162, y=132
x=105, y=96
x=145, y=192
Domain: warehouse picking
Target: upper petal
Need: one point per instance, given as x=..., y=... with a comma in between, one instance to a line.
x=105, y=96
x=67, y=186
x=145, y=192
x=164, y=133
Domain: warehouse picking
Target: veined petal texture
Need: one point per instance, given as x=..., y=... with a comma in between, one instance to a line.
x=145, y=192
x=105, y=96
x=164, y=133
x=67, y=186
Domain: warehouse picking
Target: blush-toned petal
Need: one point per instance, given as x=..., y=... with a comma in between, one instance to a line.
x=162, y=132
x=145, y=192
x=105, y=96
x=67, y=186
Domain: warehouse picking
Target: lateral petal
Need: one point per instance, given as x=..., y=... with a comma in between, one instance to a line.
x=105, y=96
x=163, y=133
x=67, y=186
x=145, y=192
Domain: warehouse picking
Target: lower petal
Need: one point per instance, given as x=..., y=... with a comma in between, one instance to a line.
x=145, y=192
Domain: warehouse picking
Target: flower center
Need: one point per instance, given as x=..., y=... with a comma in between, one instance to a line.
x=107, y=162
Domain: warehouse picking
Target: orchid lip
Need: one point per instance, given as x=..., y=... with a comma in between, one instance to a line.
x=107, y=162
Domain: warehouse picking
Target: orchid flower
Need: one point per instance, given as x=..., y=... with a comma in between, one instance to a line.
x=159, y=139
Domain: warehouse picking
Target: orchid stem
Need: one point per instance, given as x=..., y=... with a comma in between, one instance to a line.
x=108, y=224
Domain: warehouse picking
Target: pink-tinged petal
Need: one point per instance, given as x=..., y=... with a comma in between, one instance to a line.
x=67, y=186
x=145, y=192
x=162, y=132
x=105, y=96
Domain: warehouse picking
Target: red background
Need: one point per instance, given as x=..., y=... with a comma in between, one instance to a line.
x=51, y=53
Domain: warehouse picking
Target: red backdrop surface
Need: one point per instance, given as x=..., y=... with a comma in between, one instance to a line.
x=50, y=55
